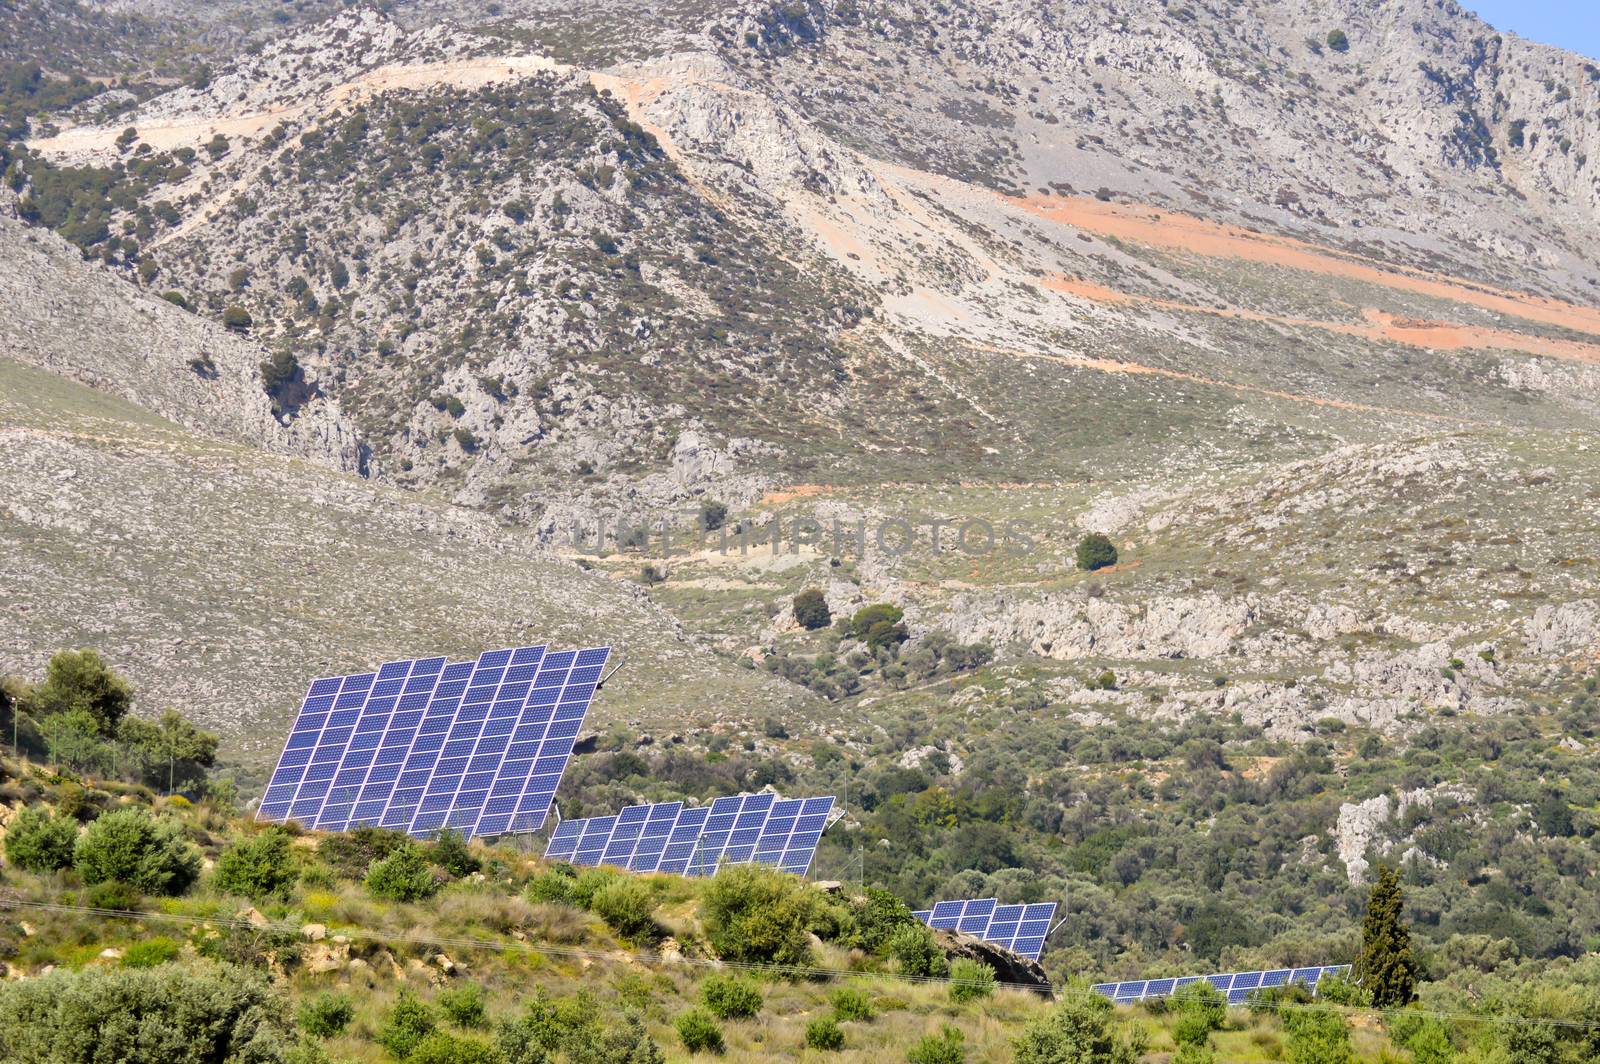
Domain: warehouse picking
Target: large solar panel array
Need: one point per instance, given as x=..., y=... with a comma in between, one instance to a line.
x=1238, y=986
x=420, y=745
x=696, y=841
x=1019, y=928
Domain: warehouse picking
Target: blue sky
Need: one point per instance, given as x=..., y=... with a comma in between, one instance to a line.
x=1571, y=24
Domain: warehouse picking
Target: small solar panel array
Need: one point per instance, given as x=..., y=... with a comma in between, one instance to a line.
x=421, y=745
x=697, y=840
x=1019, y=928
x=1238, y=986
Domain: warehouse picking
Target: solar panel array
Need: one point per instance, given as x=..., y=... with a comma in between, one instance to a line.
x=1238, y=986
x=696, y=841
x=1019, y=928
x=421, y=745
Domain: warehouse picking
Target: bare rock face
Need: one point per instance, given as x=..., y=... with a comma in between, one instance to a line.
x=1067, y=627
x=1008, y=967
x=1570, y=628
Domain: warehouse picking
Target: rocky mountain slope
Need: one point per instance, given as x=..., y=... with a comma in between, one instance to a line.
x=1226, y=282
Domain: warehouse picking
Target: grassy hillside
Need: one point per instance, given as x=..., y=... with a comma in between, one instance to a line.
x=503, y=950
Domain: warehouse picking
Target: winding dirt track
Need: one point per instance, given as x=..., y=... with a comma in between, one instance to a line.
x=1380, y=327
x=1185, y=233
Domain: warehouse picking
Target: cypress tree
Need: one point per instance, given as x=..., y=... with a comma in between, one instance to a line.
x=1386, y=967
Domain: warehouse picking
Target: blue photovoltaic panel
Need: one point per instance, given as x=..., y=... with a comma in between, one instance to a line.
x=668, y=837
x=1021, y=929
x=1238, y=986
x=477, y=746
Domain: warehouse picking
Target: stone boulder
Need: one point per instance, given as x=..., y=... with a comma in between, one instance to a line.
x=1009, y=968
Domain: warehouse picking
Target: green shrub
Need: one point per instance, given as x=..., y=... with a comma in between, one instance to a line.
x=325, y=1015
x=728, y=997
x=879, y=613
x=406, y=1025
x=914, y=949
x=698, y=1032
x=38, y=841
x=851, y=1003
x=1095, y=551
x=464, y=1005
x=572, y=1027
x=555, y=886
x=170, y=1014
x=970, y=980
x=1316, y=1036
x=949, y=1046
x=811, y=610
x=1202, y=1006
x=113, y=895
x=824, y=1033
x=238, y=319
x=1077, y=1030
x=404, y=875
x=440, y=1048
x=352, y=852
x=1194, y=1053
x=149, y=952
x=626, y=905
x=128, y=846
x=590, y=882
x=755, y=915
x=451, y=853
x=257, y=867
x=1338, y=40
x=877, y=917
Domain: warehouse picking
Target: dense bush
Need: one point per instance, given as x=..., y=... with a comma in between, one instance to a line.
x=915, y=951
x=325, y=1015
x=949, y=1046
x=438, y=1047
x=352, y=852
x=626, y=905
x=879, y=626
x=39, y=841
x=404, y=875
x=556, y=886
x=851, y=1003
x=824, y=1033
x=451, y=853
x=128, y=846
x=1316, y=1036
x=970, y=979
x=260, y=866
x=1077, y=1031
x=204, y=1014
x=1095, y=551
x=811, y=610
x=755, y=915
x=149, y=952
x=698, y=1032
x=409, y=1021
x=878, y=915
x=1338, y=40
x=464, y=1005
x=728, y=997
x=1201, y=1008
